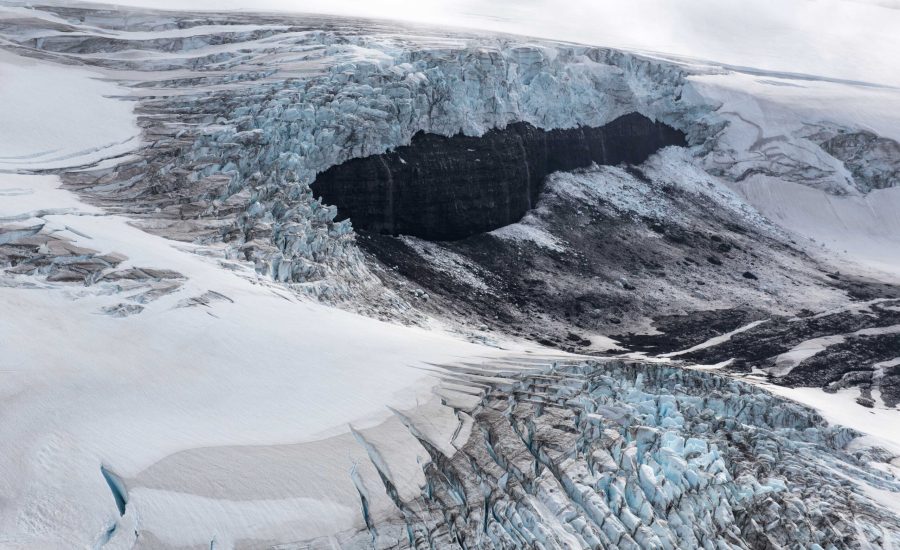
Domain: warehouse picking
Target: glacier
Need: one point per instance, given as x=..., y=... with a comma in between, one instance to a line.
x=625, y=455
x=196, y=353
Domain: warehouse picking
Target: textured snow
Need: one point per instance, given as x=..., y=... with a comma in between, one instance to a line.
x=791, y=180
x=79, y=123
x=782, y=103
x=527, y=231
x=259, y=368
x=184, y=519
x=849, y=39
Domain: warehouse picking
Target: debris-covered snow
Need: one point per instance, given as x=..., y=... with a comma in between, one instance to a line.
x=716, y=340
x=527, y=231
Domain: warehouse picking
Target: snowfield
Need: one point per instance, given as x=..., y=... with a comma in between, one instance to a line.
x=162, y=386
x=79, y=123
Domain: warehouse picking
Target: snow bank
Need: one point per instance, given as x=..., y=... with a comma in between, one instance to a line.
x=864, y=230
x=768, y=153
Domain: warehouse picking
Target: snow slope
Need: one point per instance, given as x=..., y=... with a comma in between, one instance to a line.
x=79, y=121
x=256, y=366
x=766, y=153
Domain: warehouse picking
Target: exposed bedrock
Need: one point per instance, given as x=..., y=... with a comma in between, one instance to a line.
x=447, y=188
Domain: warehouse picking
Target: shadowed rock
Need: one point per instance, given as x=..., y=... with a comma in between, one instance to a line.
x=447, y=188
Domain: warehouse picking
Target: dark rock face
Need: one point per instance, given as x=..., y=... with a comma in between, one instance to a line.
x=609, y=272
x=448, y=188
x=852, y=362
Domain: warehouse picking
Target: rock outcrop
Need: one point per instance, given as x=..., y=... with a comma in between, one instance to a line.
x=447, y=188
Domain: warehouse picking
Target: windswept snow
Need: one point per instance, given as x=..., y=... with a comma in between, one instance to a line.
x=844, y=39
x=55, y=116
x=228, y=358
x=863, y=230
x=768, y=151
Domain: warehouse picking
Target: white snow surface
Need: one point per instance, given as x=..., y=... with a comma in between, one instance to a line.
x=862, y=230
x=53, y=116
x=847, y=39
x=770, y=115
